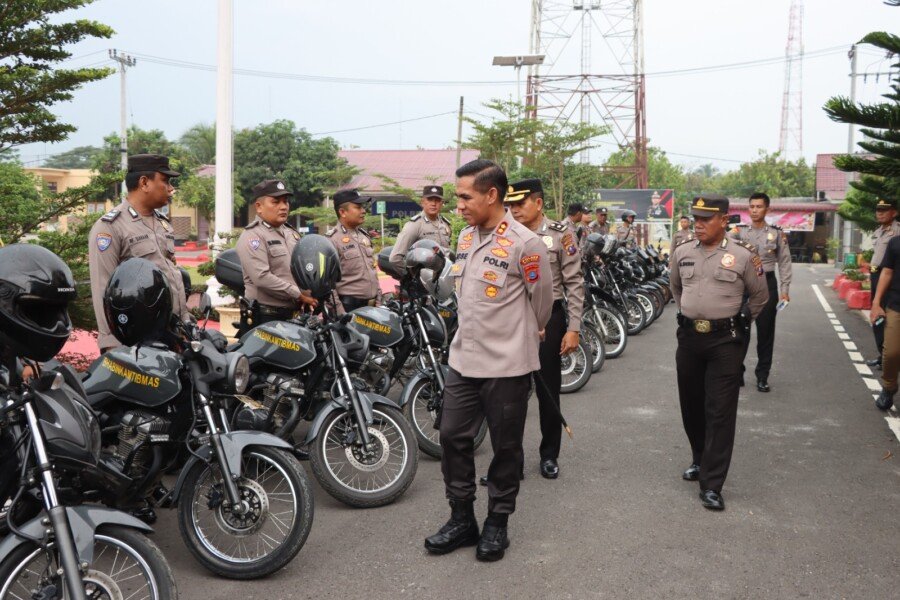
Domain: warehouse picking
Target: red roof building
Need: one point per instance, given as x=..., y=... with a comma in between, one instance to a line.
x=409, y=168
x=834, y=183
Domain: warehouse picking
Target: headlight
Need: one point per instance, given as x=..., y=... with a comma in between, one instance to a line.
x=239, y=372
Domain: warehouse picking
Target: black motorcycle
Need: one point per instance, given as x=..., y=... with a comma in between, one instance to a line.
x=70, y=550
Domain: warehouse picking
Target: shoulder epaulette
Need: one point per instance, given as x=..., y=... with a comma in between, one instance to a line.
x=252, y=224
x=744, y=244
x=291, y=227
x=417, y=217
x=775, y=227
x=556, y=226
x=743, y=225
x=689, y=238
x=330, y=232
x=364, y=232
x=111, y=215
x=159, y=215
x=446, y=220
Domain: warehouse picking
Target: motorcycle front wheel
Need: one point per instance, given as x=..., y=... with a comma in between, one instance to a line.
x=421, y=412
x=575, y=369
x=262, y=538
x=362, y=478
x=126, y=565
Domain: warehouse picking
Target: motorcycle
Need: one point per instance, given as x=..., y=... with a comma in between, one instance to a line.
x=71, y=550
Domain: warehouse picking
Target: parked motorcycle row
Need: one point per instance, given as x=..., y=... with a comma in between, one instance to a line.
x=176, y=418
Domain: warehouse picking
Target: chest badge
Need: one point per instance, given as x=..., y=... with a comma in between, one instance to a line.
x=728, y=260
x=467, y=237
x=456, y=268
x=165, y=225
x=548, y=241
x=490, y=276
x=465, y=245
x=491, y=291
x=771, y=237
x=346, y=240
x=505, y=242
x=499, y=252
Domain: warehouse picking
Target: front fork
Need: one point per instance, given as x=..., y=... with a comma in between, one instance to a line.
x=215, y=438
x=438, y=374
x=347, y=382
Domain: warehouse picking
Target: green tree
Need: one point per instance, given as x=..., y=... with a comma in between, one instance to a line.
x=661, y=172
x=200, y=143
x=310, y=167
x=141, y=141
x=506, y=138
x=772, y=174
x=81, y=157
x=32, y=42
x=880, y=124
x=200, y=193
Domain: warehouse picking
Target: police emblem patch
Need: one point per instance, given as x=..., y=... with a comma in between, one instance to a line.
x=533, y=272
x=103, y=241
x=548, y=241
x=499, y=252
x=467, y=237
x=254, y=244
x=505, y=242
x=465, y=245
x=491, y=291
x=490, y=275
x=309, y=267
x=122, y=318
x=346, y=240
x=728, y=260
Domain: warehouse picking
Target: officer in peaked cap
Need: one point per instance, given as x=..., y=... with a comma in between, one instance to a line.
x=888, y=227
x=427, y=225
x=265, y=248
x=136, y=228
x=710, y=275
x=359, y=280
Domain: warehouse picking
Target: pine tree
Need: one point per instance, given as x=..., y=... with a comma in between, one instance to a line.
x=880, y=124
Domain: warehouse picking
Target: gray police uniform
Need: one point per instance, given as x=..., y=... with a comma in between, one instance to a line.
x=265, y=254
x=880, y=240
x=625, y=233
x=359, y=280
x=505, y=292
x=418, y=228
x=123, y=233
x=680, y=236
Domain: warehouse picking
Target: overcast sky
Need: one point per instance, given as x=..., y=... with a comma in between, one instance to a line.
x=727, y=115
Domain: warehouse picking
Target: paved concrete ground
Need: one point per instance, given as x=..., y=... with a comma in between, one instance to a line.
x=811, y=500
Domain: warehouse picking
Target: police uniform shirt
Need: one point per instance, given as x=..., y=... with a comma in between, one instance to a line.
x=420, y=228
x=625, y=233
x=596, y=227
x=680, y=236
x=505, y=296
x=710, y=284
x=358, y=276
x=565, y=266
x=265, y=254
x=880, y=240
x=773, y=248
x=123, y=233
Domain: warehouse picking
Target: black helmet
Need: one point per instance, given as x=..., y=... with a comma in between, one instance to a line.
x=429, y=244
x=315, y=265
x=137, y=302
x=425, y=263
x=628, y=213
x=186, y=281
x=384, y=263
x=36, y=287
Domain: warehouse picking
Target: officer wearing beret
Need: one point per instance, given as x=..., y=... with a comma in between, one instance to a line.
x=427, y=225
x=684, y=230
x=359, y=281
x=505, y=293
x=526, y=202
x=264, y=249
x=772, y=245
x=136, y=228
x=709, y=276
x=888, y=228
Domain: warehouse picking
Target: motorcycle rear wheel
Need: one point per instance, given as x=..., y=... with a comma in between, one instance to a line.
x=422, y=420
x=576, y=369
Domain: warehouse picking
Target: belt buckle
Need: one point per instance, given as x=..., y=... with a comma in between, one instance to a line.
x=702, y=326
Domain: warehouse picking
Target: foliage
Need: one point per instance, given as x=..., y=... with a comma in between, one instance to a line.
x=880, y=125
x=141, y=141
x=200, y=143
x=81, y=157
x=32, y=42
x=770, y=173
x=832, y=245
x=200, y=193
x=311, y=168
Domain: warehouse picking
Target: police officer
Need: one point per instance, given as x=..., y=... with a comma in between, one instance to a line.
x=526, y=202
x=264, y=249
x=600, y=225
x=625, y=231
x=710, y=276
x=574, y=213
x=684, y=230
x=886, y=215
x=136, y=228
x=772, y=245
x=505, y=292
x=427, y=225
x=359, y=281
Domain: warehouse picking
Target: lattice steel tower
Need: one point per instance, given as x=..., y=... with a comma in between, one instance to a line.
x=790, y=142
x=609, y=86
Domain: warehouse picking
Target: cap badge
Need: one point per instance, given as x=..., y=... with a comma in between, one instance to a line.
x=434, y=189
x=700, y=203
x=728, y=260
x=280, y=186
x=510, y=190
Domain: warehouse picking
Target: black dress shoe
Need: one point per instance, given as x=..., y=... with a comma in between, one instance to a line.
x=874, y=363
x=460, y=530
x=692, y=473
x=762, y=384
x=549, y=468
x=885, y=400
x=493, y=543
x=712, y=500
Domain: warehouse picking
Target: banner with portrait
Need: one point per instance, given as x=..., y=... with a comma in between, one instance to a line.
x=650, y=205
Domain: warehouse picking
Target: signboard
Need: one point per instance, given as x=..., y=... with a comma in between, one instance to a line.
x=650, y=205
x=379, y=207
x=787, y=220
x=396, y=209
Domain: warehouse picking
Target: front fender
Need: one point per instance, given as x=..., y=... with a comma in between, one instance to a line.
x=233, y=443
x=412, y=381
x=83, y=521
x=366, y=399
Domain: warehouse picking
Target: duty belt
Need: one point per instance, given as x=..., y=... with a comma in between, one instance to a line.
x=708, y=326
x=279, y=312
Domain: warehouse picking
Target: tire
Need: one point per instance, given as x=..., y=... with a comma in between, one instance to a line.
x=422, y=420
x=329, y=448
x=611, y=325
x=635, y=317
x=594, y=340
x=647, y=305
x=153, y=577
x=576, y=369
x=203, y=487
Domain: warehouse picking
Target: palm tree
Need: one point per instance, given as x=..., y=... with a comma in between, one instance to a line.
x=200, y=142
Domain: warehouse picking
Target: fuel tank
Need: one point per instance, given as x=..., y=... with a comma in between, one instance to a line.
x=280, y=344
x=147, y=376
x=381, y=325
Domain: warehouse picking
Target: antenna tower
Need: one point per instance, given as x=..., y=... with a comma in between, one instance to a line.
x=790, y=142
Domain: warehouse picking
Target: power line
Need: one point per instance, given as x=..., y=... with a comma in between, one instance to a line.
x=452, y=112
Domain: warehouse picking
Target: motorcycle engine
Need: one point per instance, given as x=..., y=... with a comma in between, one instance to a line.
x=276, y=397
x=137, y=429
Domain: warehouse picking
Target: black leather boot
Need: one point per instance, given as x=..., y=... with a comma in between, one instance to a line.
x=494, y=542
x=460, y=530
x=885, y=399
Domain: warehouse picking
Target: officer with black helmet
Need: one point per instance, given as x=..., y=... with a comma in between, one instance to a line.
x=625, y=232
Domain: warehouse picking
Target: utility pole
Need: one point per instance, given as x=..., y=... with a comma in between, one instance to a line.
x=459, y=122
x=224, y=116
x=124, y=61
x=848, y=225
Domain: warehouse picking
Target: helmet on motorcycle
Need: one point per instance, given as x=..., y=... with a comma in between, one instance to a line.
x=315, y=265
x=600, y=244
x=36, y=287
x=425, y=263
x=384, y=263
x=186, y=281
x=137, y=302
x=442, y=286
x=628, y=213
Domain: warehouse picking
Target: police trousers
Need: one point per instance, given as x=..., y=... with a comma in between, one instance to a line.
x=709, y=376
x=877, y=330
x=891, y=363
x=765, y=330
x=468, y=401
x=551, y=363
